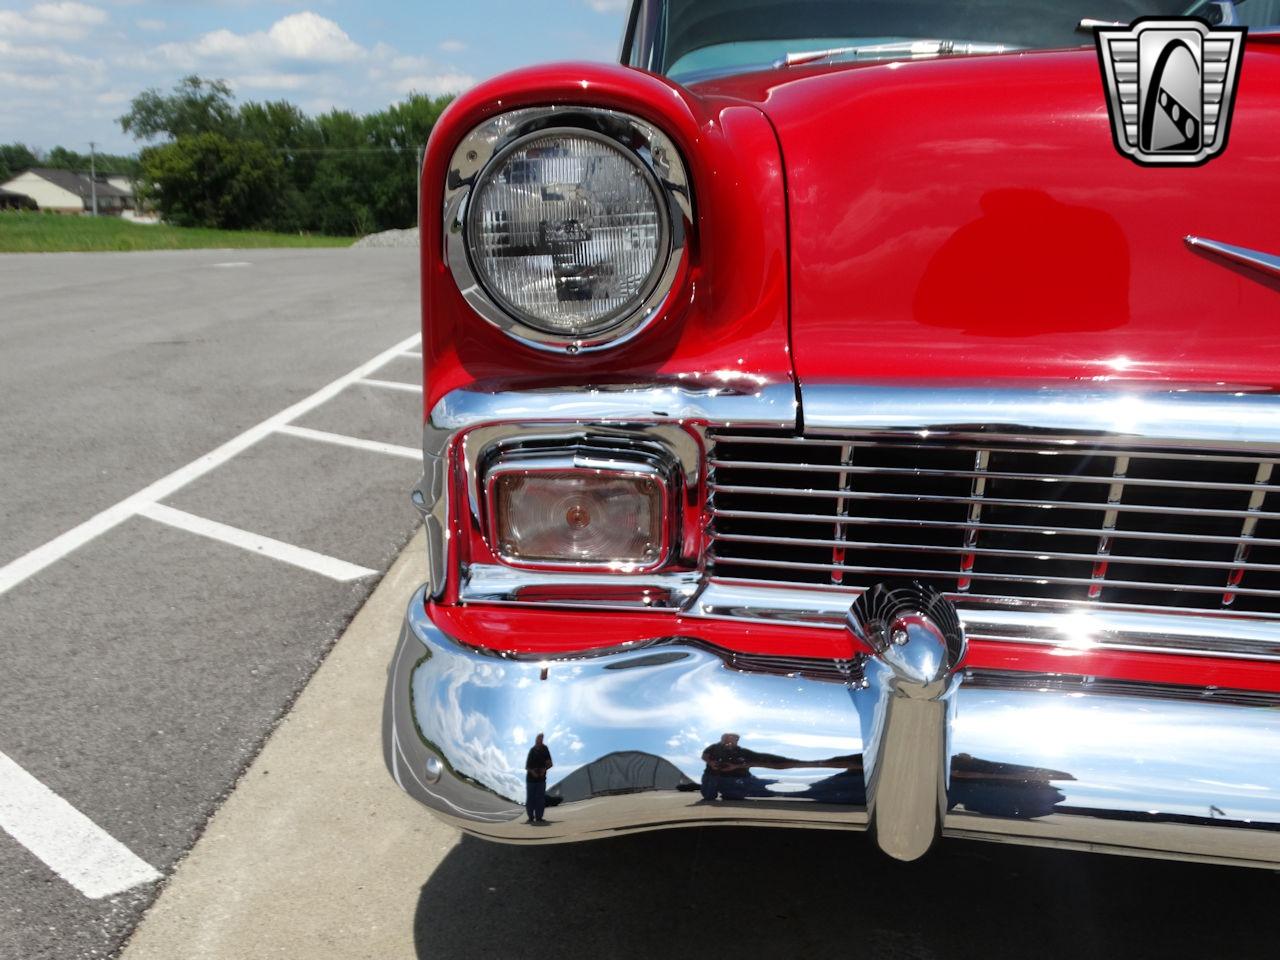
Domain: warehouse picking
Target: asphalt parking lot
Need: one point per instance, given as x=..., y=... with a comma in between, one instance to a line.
x=206, y=459
x=315, y=855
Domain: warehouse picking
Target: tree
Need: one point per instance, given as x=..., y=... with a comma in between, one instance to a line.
x=296, y=138
x=14, y=158
x=341, y=192
x=269, y=165
x=196, y=106
x=60, y=158
x=208, y=180
x=399, y=133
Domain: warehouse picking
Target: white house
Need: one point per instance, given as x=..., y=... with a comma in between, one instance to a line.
x=64, y=191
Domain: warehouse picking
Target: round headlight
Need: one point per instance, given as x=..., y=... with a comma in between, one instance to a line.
x=568, y=232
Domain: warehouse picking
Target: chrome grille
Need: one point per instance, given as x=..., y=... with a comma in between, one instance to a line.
x=1051, y=518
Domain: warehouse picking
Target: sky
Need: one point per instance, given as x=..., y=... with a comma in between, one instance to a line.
x=68, y=69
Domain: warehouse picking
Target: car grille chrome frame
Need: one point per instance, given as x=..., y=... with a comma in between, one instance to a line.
x=1082, y=520
x=1074, y=518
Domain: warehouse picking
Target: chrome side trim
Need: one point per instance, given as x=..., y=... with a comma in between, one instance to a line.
x=491, y=583
x=734, y=401
x=1142, y=418
x=1268, y=263
x=1069, y=626
x=1028, y=762
x=650, y=148
x=731, y=401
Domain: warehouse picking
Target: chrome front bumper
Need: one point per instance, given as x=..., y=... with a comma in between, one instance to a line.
x=1123, y=768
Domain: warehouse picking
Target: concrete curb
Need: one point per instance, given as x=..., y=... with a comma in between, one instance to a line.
x=308, y=856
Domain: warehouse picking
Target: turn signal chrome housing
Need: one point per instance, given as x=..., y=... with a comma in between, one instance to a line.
x=581, y=508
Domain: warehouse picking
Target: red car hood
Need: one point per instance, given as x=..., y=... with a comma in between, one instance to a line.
x=969, y=218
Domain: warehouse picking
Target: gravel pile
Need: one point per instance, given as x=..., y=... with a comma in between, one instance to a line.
x=389, y=238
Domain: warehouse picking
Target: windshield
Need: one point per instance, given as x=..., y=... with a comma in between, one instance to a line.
x=685, y=38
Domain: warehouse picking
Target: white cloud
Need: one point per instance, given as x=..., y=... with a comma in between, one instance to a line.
x=272, y=81
x=72, y=68
x=299, y=37
x=307, y=54
x=608, y=6
x=309, y=36
x=433, y=85
x=20, y=81
x=51, y=21
x=40, y=57
x=68, y=12
x=398, y=64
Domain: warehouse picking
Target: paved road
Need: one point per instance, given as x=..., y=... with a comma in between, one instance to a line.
x=161, y=608
x=318, y=855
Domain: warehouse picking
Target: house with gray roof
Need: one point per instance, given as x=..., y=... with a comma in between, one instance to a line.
x=66, y=191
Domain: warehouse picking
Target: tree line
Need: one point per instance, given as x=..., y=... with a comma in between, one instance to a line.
x=17, y=157
x=208, y=161
x=270, y=166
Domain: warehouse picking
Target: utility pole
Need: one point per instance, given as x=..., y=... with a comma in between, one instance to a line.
x=93, y=175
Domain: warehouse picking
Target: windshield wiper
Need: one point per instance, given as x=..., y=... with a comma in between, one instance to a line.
x=915, y=48
x=1088, y=23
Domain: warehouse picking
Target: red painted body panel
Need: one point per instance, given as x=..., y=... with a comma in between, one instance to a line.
x=951, y=219
x=531, y=631
x=970, y=218
x=726, y=322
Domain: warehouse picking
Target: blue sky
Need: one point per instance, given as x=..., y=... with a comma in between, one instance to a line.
x=69, y=68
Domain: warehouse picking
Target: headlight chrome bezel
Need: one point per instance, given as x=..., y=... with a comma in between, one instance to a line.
x=486, y=146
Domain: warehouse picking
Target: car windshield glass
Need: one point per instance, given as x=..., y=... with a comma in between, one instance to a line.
x=716, y=36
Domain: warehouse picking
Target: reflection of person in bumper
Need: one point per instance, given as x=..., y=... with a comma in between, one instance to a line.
x=536, y=766
x=728, y=775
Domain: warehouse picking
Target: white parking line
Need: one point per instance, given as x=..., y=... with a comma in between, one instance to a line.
x=319, y=563
x=391, y=385
x=31, y=563
x=342, y=440
x=412, y=353
x=69, y=843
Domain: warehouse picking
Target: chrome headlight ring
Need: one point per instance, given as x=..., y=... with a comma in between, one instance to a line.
x=656, y=155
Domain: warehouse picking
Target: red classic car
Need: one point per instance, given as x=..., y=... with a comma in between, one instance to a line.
x=830, y=424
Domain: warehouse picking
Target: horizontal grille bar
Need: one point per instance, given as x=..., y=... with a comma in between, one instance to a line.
x=994, y=501
x=1037, y=578
x=1068, y=448
x=988, y=552
x=1057, y=517
x=999, y=527
x=987, y=474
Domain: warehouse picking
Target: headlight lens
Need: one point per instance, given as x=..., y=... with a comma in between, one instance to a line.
x=568, y=232
x=580, y=517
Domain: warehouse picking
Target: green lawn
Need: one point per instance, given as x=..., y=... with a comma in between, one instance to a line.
x=24, y=232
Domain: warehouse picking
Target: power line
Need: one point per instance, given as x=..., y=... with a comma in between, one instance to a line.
x=342, y=149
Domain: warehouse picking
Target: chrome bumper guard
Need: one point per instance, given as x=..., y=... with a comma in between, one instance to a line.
x=1055, y=761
